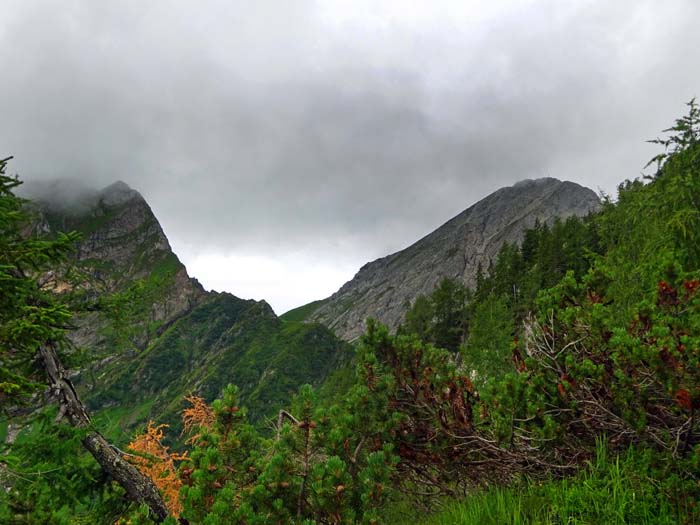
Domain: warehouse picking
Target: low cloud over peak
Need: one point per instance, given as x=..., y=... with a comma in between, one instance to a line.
x=334, y=133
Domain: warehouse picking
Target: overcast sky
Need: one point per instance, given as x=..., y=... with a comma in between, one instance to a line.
x=283, y=144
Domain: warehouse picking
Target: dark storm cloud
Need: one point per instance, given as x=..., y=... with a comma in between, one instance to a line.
x=250, y=126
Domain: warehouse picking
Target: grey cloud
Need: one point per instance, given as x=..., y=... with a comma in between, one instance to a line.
x=259, y=128
x=69, y=195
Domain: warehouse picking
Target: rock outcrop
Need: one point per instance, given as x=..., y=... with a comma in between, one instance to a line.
x=122, y=243
x=385, y=288
x=151, y=334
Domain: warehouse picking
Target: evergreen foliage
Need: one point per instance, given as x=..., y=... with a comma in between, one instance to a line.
x=29, y=315
x=50, y=478
x=585, y=340
x=441, y=318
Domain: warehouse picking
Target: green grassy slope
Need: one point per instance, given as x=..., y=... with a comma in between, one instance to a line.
x=622, y=490
x=302, y=313
x=224, y=340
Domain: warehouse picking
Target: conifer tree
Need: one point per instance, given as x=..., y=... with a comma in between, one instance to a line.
x=33, y=326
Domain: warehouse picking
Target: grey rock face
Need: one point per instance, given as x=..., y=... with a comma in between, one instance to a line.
x=122, y=243
x=150, y=334
x=384, y=289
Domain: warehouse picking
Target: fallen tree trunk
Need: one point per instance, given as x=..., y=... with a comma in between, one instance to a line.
x=138, y=487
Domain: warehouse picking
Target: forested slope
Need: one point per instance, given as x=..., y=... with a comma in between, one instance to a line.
x=565, y=384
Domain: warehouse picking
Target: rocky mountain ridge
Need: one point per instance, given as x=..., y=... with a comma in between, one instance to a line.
x=151, y=334
x=156, y=335
x=385, y=288
x=122, y=243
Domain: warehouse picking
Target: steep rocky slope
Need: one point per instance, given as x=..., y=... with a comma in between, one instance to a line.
x=122, y=244
x=150, y=334
x=384, y=288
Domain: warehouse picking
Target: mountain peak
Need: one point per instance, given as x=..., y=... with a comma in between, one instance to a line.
x=122, y=240
x=119, y=193
x=382, y=289
x=75, y=197
x=536, y=182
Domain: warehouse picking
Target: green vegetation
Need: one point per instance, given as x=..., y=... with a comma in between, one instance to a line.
x=623, y=490
x=54, y=480
x=584, y=342
x=29, y=315
x=302, y=313
x=224, y=339
x=45, y=477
